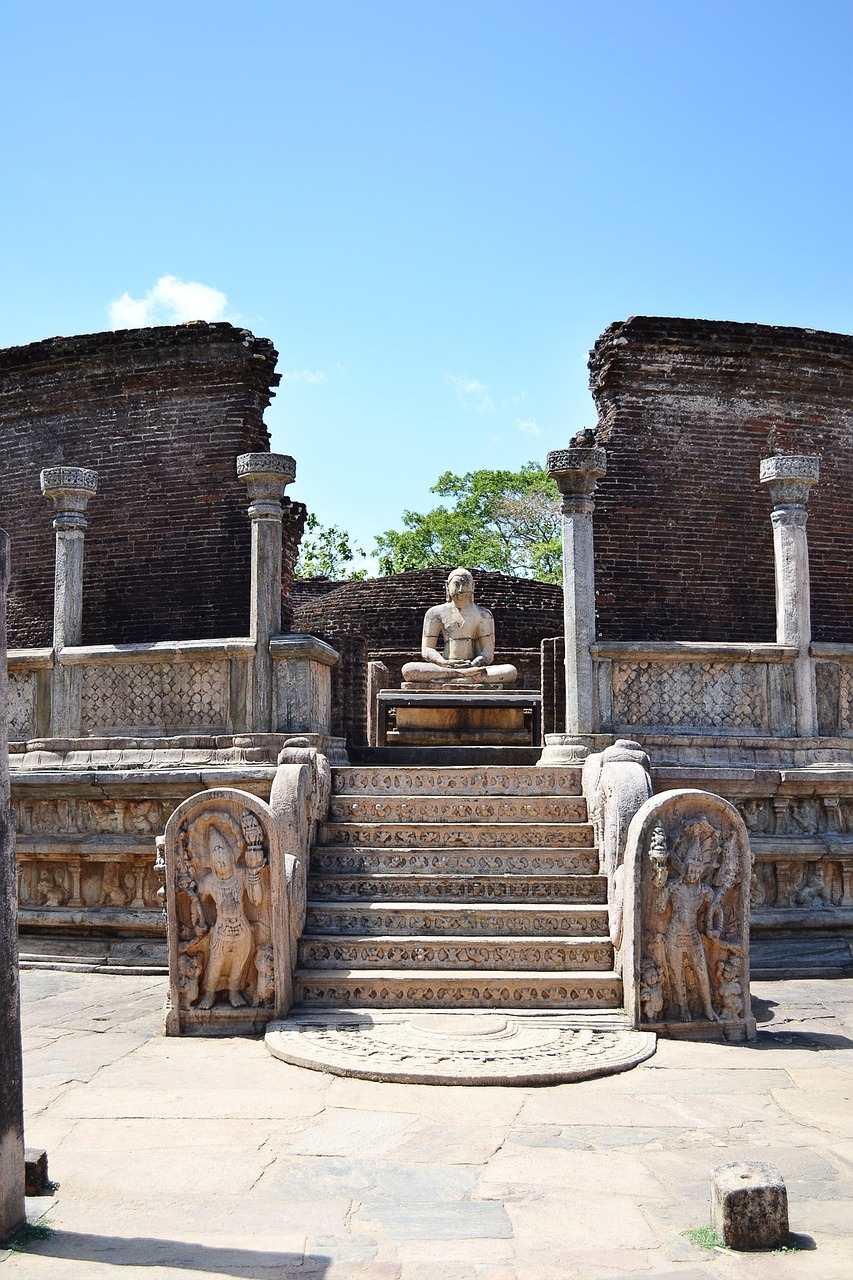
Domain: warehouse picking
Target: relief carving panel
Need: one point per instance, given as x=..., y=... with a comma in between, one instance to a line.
x=686, y=958
x=21, y=712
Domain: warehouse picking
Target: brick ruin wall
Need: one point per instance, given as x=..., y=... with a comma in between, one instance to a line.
x=161, y=414
x=687, y=409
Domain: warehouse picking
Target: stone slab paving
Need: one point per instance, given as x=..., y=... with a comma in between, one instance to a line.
x=180, y=1159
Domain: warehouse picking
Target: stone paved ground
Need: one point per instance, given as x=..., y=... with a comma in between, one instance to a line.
x=179, y=1159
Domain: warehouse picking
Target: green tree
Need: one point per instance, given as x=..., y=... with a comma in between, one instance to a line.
x=507, y=521
x=327, y=552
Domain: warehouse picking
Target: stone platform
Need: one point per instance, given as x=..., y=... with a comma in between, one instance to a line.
x=459, y=717
x=483, y=1048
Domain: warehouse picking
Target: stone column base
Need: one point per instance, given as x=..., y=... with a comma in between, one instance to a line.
x=565, y=749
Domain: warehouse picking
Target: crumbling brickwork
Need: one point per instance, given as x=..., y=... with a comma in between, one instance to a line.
x=687, y=409
x=161, y=414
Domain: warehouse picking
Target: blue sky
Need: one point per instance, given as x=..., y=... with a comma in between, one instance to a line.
x=431, y=208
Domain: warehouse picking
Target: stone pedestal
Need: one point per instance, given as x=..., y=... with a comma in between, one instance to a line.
x=266, y=475
x=69, y=489
x=576, y=471
x=789, y=480
x=749, y=1205
x=456, y=718
x=11, y=1095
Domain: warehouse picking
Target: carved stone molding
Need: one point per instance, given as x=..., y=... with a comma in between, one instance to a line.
x=685, y=955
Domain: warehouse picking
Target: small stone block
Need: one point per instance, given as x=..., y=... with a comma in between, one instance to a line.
x=749, y=1205
x=36, y=1180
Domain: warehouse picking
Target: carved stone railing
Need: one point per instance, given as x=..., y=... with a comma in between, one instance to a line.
x=235, y=871
x=834, y=680
x=696, y=688
x=168, y=689
x=678, y=869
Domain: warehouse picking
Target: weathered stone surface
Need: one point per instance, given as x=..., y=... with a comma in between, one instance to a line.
x=35, y=1163
x=749, y=1205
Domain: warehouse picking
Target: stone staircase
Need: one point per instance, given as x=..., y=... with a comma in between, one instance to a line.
x=456, y=888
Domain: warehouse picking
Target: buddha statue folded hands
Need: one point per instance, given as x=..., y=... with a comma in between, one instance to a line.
x=466, y=632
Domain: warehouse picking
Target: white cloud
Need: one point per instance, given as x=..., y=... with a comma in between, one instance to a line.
x=171, y=301
x=529, y=426
x=471, y=393
x=304, y=375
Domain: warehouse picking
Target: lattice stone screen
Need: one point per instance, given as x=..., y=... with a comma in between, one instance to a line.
x=846, y=699
x=691, y=696
x=155, y=698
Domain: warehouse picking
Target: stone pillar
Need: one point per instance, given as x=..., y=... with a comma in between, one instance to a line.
x=11, y=1079
x=576, y=471
x=266, y=475
x=69, y=489
x=789, y=480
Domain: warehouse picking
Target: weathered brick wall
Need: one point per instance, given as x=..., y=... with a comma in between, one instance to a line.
x=687, y=409
x=161, y=414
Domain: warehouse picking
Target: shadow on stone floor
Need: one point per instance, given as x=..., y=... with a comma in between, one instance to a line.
x=145, y=1251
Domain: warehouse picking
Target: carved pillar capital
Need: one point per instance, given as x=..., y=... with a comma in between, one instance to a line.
x=266, y=476
x=789, y=479
x=69, y=489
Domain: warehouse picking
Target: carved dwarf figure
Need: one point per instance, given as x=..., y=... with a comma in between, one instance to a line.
x=467, y=632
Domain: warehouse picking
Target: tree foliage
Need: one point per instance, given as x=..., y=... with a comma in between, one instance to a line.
x=326, y=552
x=507, y=521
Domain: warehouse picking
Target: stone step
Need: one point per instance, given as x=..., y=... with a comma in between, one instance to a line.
x=473, y=920
x=513, y=809
x=428, y=887
x=326, y=859
x=464, y=780
x=426, y=835
x=457, y=989
x=424, y=951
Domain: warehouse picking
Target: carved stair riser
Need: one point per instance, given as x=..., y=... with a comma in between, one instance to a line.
x=330, y=860
x=476, y=835
x=408, y=809
x=459, y=990
x=407, y=919
x=559, y=954
x=438, y=888
x=462, y=781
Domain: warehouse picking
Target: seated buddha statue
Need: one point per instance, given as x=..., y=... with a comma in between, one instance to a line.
x=466, y=632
